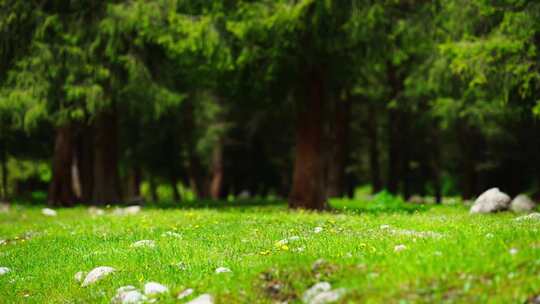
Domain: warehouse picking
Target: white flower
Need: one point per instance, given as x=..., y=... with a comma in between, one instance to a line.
x=4, y=270
x=513, y=251
x=383, y=227
x=318, y=229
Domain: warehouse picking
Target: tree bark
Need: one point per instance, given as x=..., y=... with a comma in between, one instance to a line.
x=85, y=162
x=194, y=166
x=394, y=132
x=61, y=186
x=3, y=166
x=308, y=176
x=374, y=164
x=174, y=184
x=339, y=149
x=106, y=185
x=133, y=187
x=216, y=183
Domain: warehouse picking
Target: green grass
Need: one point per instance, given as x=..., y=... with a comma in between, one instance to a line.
x=464, y=264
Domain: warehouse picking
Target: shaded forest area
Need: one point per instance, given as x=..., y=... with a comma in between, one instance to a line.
x=302, y=99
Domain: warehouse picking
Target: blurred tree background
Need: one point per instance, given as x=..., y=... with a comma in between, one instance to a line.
x=114, y=101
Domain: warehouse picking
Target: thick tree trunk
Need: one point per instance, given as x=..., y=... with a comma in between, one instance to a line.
x=85, y=162
x=153, y=189
x=174, y=184
x=469, y=176
x=337, y=162
x=216, y=183
x=106, y=185
x=308, y=191
x=61, y=186
x=374, y=164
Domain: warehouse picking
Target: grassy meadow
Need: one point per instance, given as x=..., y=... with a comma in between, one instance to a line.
x=426, y=254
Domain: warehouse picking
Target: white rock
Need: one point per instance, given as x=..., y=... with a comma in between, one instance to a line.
x=223, y=270
x=152, y=288
x=294, y=238
x=493, y=200
x=48, y=212
x=315, y=290
x=128, y=295
x=522, y=203
x=202, y=299
x=185, y=293
x=4, y=270
x=529, y=217
x=318, y=229
x=513, y=251
x=93, y=210
x=400, y=248
x=3, y=242
x=4, y=208
x=384, y=227
x=144, y=243
x=97, y=274
x=79, y=276
x=330, y=296
x=132, y=210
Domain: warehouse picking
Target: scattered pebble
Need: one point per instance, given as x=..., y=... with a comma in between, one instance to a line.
x=330, y=296
x=315, y=290
x=185, y=293
x=48, y=212
x=4, y=270
x=383, y=227
x=131, y=210
x=318, y=229
x=400, y=248
x=4, y=208
x=171, y=234
x=144, y=243
x=513, y=251
x=223, y=270
x=79, y=276
x=294, y=238
x=153, y=288
x=202, y=299
x=97, y=274
x=128, y=295
x=93, y=210
x=3, y=242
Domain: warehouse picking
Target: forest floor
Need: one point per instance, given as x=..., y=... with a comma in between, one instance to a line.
x=431, y=255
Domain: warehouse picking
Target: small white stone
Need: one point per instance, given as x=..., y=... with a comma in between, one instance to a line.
x=3, y=242
x=152, y=288
x=384, y=227
x=132, y=210
x=128, y=295
x=97, y=274
x=399, y=248
x=171, y=234
x=530, y=217
x=330, y=296
x=4, y=270
x=318, y=229
x=79, y=276
x=185, y=293
x=144, y=243
x=202, y=299
x=223, y=270
x=48, y=212
x=513, y=251
x=294, y=238
x=315, y=290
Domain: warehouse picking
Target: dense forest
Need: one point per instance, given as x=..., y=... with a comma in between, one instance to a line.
x=108, y=101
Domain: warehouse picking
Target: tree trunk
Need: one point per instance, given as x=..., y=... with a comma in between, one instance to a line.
x=153, y=189
x=174, y=184
x=308, y=177
x=374, y=165
x=85, y=162
x=3, y=167
x=106, y=186
x=194, y=167
x=394, y=132
x=133, y=184
x=61, y=186
x=339, y=149
x=216, y=183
